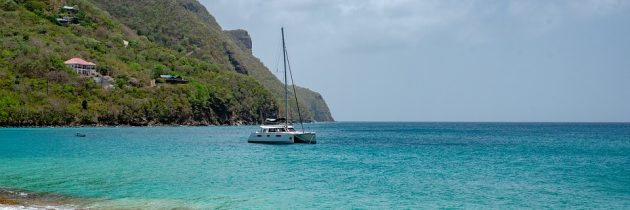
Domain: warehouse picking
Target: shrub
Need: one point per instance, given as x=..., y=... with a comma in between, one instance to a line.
x=158, y=70
x=6, y=54
x=67, y=88
x=8, y=5
x=35, y=6
x=135, y=66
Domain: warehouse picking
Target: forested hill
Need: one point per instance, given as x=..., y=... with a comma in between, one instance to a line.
x=186, y=26
x=37, y=88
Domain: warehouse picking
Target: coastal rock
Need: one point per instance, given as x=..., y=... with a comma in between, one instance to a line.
x=241, y=38
x=238, y=67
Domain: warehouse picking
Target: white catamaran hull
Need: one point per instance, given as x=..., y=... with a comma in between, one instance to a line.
x=282, y=138
x=271, y=138
x=305, y=137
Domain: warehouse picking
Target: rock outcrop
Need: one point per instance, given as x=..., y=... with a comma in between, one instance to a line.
x=241, y=38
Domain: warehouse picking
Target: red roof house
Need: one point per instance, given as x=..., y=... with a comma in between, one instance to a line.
x=81, y=66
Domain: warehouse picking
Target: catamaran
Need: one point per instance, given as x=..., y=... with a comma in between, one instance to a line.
x=280, y=131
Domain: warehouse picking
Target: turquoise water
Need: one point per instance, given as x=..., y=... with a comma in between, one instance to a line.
x=354, y=165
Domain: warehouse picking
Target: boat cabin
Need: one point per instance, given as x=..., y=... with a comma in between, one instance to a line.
x=276, y=129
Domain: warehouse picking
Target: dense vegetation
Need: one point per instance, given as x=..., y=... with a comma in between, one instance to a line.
x=37, y=89
x=186, y=27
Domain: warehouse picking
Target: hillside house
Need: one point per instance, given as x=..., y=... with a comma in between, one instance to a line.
x=173, y=79
x=81, y=66
x=67, y=20
x=68, y=15
x=69, y=9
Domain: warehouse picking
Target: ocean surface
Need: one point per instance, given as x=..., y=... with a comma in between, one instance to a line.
x=354, y=165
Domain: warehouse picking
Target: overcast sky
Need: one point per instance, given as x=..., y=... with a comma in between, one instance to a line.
x=441, y=60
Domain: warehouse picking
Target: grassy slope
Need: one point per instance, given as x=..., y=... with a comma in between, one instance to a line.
x=37, y=89
x=187, y=27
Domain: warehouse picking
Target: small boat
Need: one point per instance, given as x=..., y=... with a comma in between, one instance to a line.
x=80, y=135
x=279, y=131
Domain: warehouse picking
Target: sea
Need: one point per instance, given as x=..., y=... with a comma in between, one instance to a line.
x=354, y=165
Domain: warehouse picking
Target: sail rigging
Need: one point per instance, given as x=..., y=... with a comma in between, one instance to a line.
x=287, y=65
x=276, y=131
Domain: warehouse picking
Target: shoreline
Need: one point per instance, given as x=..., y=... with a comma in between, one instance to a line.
x=18, y=199
x=22, y=199
x=124, y=125
x=117, y=126
x=145, y=126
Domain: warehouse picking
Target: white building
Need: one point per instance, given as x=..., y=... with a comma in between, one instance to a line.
x=81, y=66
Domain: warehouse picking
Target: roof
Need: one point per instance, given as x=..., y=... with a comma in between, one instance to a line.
x=274, y=126
x=68, y=7
x=79, y=61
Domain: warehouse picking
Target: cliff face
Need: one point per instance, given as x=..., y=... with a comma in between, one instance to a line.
x=186, y=26
x=317, y=105
x=241, y=38
x=310, y=101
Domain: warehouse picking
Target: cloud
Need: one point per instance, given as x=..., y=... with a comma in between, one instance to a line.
x=599, y=8
x=382, y=24
x=369, y=23
x=537, y=18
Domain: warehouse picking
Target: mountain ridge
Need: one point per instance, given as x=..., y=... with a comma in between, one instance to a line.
x=207, y=40
x=37, y=89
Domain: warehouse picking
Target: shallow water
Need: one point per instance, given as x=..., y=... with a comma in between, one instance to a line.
x=354, y=165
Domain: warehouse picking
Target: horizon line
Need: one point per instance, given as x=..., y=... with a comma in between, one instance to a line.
x=406, y=121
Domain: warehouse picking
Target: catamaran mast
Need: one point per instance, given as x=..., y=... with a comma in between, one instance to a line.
x=286, y=90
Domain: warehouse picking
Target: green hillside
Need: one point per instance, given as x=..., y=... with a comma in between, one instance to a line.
x=133, y=42
x=37, y=89
x=186, y=27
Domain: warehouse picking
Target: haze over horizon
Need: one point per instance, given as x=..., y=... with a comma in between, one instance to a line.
x=405, y=60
